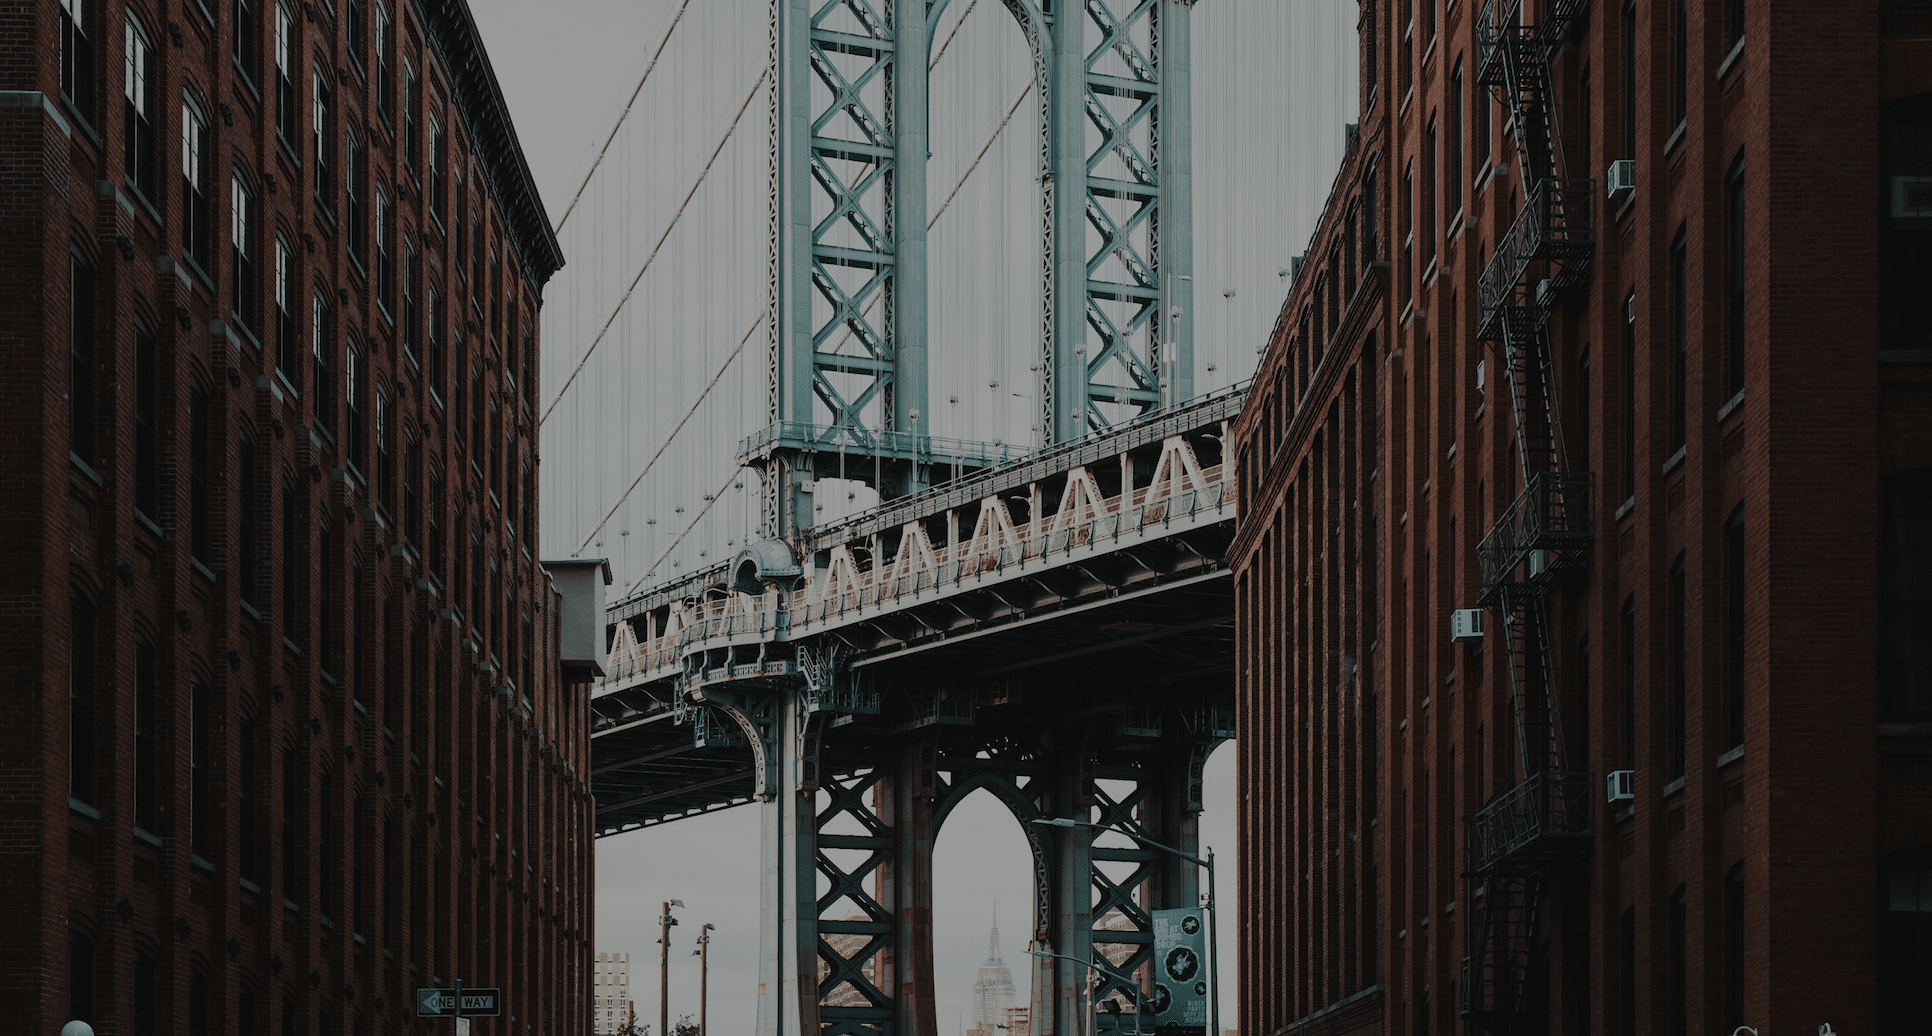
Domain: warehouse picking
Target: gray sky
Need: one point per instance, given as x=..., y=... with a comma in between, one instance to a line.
x=1274, y=84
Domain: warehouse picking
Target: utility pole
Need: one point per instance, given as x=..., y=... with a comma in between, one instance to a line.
x=703, y=953
x=664, y=923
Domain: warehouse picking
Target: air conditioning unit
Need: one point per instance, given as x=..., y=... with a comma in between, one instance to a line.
x=1466, y=624
x=1621, y=179
x=1620, y=786
x=1912, y=197
x=1539, y=562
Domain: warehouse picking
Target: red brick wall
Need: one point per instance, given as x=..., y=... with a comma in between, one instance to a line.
x=473, y=773
x=1821, y=418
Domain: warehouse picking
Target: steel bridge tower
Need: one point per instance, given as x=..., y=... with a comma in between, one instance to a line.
x=1523, y=839
x=858, y=813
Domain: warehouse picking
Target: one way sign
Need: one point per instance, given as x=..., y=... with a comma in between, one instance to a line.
x=441, y=1003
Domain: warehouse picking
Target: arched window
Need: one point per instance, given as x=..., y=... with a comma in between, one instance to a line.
x=1905, y=939
x=1905, y=237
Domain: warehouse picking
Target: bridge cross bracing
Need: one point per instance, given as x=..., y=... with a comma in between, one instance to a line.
x=1051, y=625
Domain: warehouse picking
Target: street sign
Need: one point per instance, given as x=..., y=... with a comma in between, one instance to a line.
x=441, y=1003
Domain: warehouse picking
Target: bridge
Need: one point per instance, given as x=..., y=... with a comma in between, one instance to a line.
x=1053, y=625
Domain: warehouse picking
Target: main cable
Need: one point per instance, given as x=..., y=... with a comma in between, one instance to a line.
x=621, y=116
x=655, y=249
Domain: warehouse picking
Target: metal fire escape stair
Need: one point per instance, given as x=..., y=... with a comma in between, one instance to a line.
x=1523, y=836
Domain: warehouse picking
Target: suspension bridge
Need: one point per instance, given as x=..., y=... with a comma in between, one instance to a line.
x=1052, y=622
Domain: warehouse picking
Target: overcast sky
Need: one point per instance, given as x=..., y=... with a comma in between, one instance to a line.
x=1274, y=85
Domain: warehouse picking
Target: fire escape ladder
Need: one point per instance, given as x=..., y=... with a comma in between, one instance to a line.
x=1522, y=837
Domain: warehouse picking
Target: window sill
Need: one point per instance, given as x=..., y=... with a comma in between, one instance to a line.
x=1624, y=509
x=141, y=201
x=193, y=266
x=153, y=840
x=1732, y=756
x=86, y=469
x=204, y=571
x=1904, y=729
x=1676, y=461
x=201, y=863
x=291, y=647
x=248, y=886
x=1676, y=136
x=291, y=906
x=249, y=610
x=1736, y=403
x=150, y=524
x=1408, y=313
x=1737, y=51
x=77, y=806
x=247, y=81
x=1674, y=788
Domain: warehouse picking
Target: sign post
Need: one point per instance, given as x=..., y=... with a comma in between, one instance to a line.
x=459, y=1003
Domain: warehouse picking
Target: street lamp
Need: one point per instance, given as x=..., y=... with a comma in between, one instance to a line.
x=703, y=953
x=664, y=923
x=1133, y=984
x=1208, y=901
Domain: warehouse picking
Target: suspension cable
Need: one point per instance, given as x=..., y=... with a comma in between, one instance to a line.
x=621, y=116
x=941, y=52
x=655, y=249
x=662, y=446
x=702, y=511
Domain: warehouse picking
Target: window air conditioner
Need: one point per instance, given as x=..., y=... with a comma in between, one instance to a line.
x=1620, y=786
x=1539, y=562
x=1621, y=179
x=1466, y=624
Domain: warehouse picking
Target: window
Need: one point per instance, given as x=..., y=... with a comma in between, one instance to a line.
x=1679, y=61
x=1734, y=947
x=242, y=252
x=249, y=524
x=285, y=99
x=460, y=424
x=1585, y=123
x=324, y=141
x=291, y=804
x=361, y=905
x=433, y=345
x=1734, y=281
x=198, y=211
x=1905, y=607
x=1905, y=939
x=1733, y=23
x=437, y=181
x=1408, y=233
x=137, y=123
x=385, y=269
x=412, y=290
x=412, y=119
x=288, y=358
x=197, y=1004
x=248, y=801
x=1484, y=104
x=245, y=1011
x=385, y=467
x=1734, y=635
x=1629, y=415
x=328, y=600
x=1452, y=165
x=77, y=56
x=291, y=531
x=248, y=33
x=1675, y=716
x=385, y=88
x=201, y=828
x=1679, y=963
x=321, y=348
x=412, y=526
x=83, y=757
x=1627, y=721
x=1905, y=229
x=326, y=846
x=83, y=373
x=356, y=180
x=147, y=812
x=200, y=512
x=1630, y=79
x=80, y=975
x=143, y=994
x=1679, y=339
x=477, y=440
x=435, y=523
x=352, y=20
x=352, y=403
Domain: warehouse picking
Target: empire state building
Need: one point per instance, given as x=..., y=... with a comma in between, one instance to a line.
x=992, y=992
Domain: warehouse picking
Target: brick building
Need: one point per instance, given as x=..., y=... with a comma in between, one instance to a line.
x=287, y=733
x=1668, y=432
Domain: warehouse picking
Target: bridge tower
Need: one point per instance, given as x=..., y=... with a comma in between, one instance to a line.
x=847, y=342
x=846, y=390
x=1524, y=839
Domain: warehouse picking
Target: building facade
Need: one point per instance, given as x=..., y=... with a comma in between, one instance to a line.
x=993, y=993
x=287, y=733
x=1582, y=584
x=613, y=1010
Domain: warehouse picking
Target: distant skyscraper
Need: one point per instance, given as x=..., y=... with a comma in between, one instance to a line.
x=611, y=1010
x=992, y=990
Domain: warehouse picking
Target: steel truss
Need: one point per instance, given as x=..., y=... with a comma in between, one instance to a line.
x=847, y=345
x=1522, y=838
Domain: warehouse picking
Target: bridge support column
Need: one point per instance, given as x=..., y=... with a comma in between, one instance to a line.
x=905, y=801
x=788, y=928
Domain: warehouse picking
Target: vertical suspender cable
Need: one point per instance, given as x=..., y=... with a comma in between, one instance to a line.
x=621, y=116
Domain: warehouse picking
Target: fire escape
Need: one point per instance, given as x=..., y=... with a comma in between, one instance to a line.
x=1527, y=833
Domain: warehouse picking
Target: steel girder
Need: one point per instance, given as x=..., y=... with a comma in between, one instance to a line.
x=847, y=345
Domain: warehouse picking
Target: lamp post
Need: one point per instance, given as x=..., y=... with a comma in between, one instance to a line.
x=664, y=923
x=1208, y=901
x=1133, y=984
x=703, y=953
